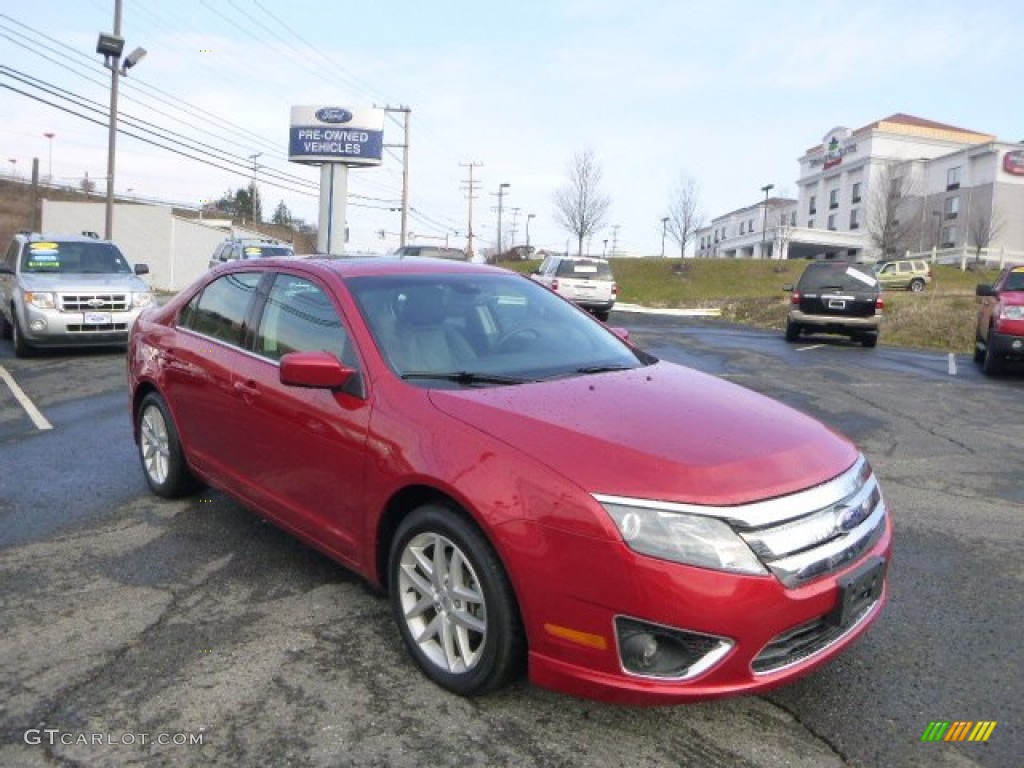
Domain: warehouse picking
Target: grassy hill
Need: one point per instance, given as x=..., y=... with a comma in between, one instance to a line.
x=751, y=292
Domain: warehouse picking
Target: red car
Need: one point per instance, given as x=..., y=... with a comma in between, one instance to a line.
x=1000, y=331
x=532, y=491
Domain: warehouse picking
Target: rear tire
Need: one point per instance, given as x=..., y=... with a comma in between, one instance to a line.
x=602, y=315
x=869, y=340
x=163, y=461
x=917, y=285
x=5, y=327
x=792, y=331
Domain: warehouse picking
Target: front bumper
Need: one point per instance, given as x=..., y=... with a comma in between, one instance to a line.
x=770, y=634
x=1006, y=344
x=55, y=328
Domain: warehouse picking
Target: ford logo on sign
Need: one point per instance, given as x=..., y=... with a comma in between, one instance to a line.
x=333, y=115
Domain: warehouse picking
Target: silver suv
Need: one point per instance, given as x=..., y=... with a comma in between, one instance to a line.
x=68, y=290
x=236, y=248
x=585, y=281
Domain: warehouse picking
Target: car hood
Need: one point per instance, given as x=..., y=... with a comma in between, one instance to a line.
x=662, y=432
x=71, y=282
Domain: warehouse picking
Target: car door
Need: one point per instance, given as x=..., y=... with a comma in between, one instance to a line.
x=198, y=363
x=303, y=457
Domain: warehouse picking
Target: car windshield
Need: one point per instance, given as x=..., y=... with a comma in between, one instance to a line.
x=836, y=276
x=458, y=330
x=589, y=270
x=63, y=257
x=265, y=251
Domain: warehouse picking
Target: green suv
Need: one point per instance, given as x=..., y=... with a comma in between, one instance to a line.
x=904, y=274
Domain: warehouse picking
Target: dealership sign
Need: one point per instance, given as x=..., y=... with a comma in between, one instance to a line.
x=336, y=135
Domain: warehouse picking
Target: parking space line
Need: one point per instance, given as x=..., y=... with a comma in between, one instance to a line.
x=30, y=408
x=808, y=349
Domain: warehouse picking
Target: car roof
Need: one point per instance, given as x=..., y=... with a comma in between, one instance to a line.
x=357, y=266
x=38, y=237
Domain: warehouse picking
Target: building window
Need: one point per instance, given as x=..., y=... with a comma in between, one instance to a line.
x=949, y=236
x=952, y=207
x=833, y=198
x=855, y=218
x=741, y=227
x=810, y=223
x=812, y=208
x=792, y=219
x=832, y=221
x=855, y=197
x=750, y=225
x=953, y=178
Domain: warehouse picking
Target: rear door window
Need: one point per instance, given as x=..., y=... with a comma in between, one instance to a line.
x=220, y=310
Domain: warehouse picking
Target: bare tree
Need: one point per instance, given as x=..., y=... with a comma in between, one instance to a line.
x=983, y=228
x=580, y=206
x=684, y=218
x=891, y=223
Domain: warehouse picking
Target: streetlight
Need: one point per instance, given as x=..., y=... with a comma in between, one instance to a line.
x=528, y=217
x=252, y=192
x=501, y=194
x=50, y=135
x=664, y=225
x=111, y=47
x=764, y=219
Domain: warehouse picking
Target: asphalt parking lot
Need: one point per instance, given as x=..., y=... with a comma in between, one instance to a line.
x=142, y=631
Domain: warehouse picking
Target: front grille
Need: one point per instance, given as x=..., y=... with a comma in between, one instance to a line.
x=804, y=641
x=98, y=328
x=94, y=302
x=820, y=531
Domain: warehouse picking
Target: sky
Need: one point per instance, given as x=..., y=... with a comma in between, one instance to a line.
x=728, y=94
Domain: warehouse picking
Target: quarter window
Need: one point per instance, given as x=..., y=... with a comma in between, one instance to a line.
x=220, y=310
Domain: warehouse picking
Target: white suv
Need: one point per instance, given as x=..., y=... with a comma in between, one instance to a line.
x=62, y=291
x=585, y=281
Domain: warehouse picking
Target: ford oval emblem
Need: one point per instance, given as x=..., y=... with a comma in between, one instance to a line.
x=333, y=115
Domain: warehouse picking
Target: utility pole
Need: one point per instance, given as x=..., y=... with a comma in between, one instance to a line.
x=471, y=188
x=404, y=146
x=664, y=225
x=501, y=195
x=252, y=191
x=764, y=218
x=528, y=217
x=515, y=225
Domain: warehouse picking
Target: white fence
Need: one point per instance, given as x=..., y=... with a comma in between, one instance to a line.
x=963, y=255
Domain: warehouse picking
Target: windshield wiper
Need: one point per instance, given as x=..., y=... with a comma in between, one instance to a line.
x=465, y=377
x=604, y=368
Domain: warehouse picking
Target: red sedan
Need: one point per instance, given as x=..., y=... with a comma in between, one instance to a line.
x=532, y=491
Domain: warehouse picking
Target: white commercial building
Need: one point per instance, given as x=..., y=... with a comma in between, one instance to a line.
x=898, y=186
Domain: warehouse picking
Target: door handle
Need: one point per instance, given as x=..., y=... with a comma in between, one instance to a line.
x=247, y=390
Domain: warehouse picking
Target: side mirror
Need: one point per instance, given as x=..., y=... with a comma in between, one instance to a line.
x=142, y=269
x=984, y=290
x=317, y=370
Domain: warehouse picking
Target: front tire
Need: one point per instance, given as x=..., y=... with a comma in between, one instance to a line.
x=991, y=364
x=163, y=461
x=453, y=602
x=21, y=347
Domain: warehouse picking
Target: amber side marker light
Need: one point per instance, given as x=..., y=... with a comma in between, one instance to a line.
x=576, y=636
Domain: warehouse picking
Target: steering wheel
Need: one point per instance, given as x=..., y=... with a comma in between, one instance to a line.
x=509, y=339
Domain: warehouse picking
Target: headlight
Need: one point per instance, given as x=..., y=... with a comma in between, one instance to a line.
x=690, y=539
x=142, y=299
x=1012, y=313
x=42, y=300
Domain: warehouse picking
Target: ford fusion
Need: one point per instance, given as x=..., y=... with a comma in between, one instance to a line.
x=535, y=494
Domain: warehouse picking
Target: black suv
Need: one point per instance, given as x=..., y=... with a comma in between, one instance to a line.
x=836, y=297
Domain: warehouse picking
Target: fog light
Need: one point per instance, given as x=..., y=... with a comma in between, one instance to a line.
x=652, y=650
x=37, y=325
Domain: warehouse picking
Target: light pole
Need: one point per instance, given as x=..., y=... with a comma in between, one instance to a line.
x=528, y=217
x=252, y=191
x=49, y=135
x=501, y=195
x=111, y=47
x=664, y=226
x=764, y=219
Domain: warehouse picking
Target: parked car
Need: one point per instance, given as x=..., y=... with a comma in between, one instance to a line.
x=235, y=249
x=836, y=297
x=68, y=290
x=904, y=274
x=431, y=252
x=527, y=487
x=999, y=334
x=585, y=281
